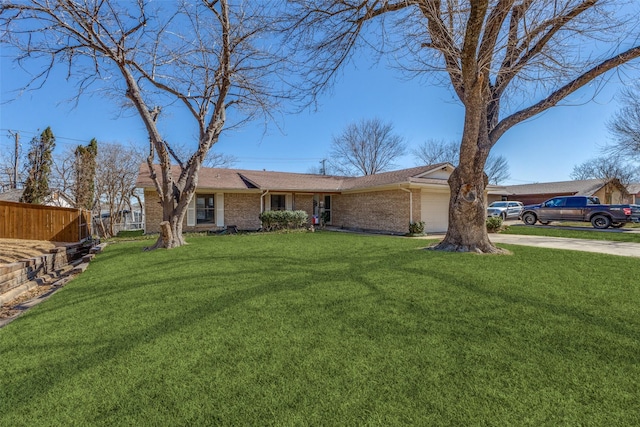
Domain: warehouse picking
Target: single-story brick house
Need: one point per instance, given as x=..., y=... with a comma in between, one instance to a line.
x=384, y=202
x=610, y=191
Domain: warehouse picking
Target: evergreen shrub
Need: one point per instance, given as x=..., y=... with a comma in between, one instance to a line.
x=283, y=220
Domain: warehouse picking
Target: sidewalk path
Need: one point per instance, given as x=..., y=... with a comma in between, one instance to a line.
x=598, y=246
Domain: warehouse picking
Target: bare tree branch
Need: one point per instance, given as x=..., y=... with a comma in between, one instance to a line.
x=433, y=151
x=209, y=58
x=625, y=127
x=555, y=97
x=366, y=147
x=499, y=56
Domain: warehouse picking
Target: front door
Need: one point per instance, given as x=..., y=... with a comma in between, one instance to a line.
x=326, y=215
x=322, y=208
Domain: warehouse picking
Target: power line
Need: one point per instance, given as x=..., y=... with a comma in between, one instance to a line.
x=285, y=159
x=66, y=141
x=62, y=139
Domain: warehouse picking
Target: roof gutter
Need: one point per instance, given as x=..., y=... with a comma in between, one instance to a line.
x=410, y=204
x=264, y=193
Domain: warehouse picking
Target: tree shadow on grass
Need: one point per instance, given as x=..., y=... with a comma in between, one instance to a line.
x=357, y=268
x=94, y=295
x=469, y=284
x=42, y=379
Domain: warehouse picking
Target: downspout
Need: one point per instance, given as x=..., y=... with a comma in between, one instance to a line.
x=264, y=193
x=410, y=204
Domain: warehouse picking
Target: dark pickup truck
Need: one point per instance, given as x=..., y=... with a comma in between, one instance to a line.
x=580, y=208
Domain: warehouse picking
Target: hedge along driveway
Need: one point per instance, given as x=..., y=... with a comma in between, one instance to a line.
x=332, y=329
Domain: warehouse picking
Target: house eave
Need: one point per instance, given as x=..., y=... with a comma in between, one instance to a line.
x=215, y=190
x=408, y=185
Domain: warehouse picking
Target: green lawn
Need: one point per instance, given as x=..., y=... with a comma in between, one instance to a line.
x=329, y=329
x=587, y=233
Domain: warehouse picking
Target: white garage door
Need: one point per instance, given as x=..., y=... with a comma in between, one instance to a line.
x=435, y=211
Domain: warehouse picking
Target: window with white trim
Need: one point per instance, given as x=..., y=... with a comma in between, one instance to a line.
x=278, y=202
x=205, y=209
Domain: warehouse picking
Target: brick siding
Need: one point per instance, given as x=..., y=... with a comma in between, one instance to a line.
x=304, y=202
x=385, y=211
x=152, y=211
x=240, y=209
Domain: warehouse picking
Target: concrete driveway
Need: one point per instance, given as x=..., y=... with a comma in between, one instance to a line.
x=585, y=245
x=598, y=246
x=560, y=226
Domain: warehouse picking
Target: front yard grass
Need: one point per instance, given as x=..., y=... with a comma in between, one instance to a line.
x=329, y=329
x=587, y=233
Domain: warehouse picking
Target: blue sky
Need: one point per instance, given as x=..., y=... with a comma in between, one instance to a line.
x=543, y=149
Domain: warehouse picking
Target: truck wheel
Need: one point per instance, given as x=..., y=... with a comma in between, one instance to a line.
x=529, y=218
x=600, y=221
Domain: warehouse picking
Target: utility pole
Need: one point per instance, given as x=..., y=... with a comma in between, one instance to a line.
x=323, y=170
x=16, y=153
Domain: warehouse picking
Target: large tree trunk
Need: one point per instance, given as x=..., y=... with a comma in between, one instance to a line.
x=171, y=225
x=467, y=230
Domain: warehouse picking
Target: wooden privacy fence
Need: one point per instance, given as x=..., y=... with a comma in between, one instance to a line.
x=38, y=222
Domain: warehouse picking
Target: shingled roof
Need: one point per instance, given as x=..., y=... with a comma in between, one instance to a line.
x=394, y=177
x=633, y=188
x=285, y=181
x=585, y=187
x=208, y=178
x=238, y=179
x=11, y=195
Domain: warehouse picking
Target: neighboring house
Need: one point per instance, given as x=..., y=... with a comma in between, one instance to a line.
x=634, y=193
x=11, y=196
x=55, y=198
x=384, y=202
x=610, y=192
x=122, y=220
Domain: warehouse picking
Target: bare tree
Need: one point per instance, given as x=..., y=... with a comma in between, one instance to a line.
x=366, y=147
x=7, y=173
x=432, y=151
x=625, y=126
x=214, y=58
x=12, y=164
x=107, y=180
x=73, y=174
x=63, y=177
x=607, y=168
x=506, y=60
x=497, y=169
x=213, y=159
x=116, y=173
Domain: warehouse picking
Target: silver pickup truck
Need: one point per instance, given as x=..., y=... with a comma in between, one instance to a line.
x=583, y=209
